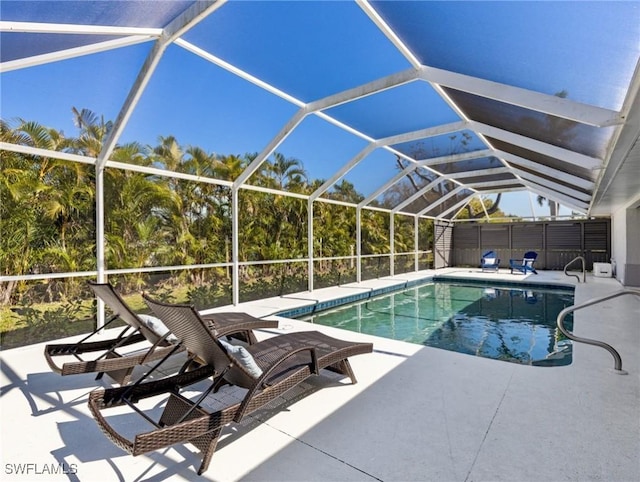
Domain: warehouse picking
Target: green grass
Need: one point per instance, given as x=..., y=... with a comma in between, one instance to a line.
x=38, y=322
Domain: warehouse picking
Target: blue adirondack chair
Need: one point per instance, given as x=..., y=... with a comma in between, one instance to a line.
x=490, y=261
x=524, y=265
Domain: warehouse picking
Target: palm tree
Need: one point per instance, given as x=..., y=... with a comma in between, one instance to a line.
x=553, y=206
x=474, y=209
x=286, y=173
x=63, y=189
x=346, y=191
x=93, y=131
x=52, y=199
x=18, y=219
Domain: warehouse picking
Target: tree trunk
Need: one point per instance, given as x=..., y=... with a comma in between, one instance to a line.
x=6, y=291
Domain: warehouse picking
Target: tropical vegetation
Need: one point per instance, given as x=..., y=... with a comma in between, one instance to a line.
x=48, y=224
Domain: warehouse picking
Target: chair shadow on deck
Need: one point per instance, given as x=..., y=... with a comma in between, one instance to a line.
x=83, y=441
x=48, y=388
x=178, y=459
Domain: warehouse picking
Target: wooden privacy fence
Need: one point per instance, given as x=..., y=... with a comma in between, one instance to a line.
x=556, y=242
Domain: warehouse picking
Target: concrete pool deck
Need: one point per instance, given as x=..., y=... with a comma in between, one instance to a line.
x=417, y=413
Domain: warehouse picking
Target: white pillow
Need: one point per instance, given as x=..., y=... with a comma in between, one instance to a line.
x=159, y=328
x=489, y=260
x=243, y=357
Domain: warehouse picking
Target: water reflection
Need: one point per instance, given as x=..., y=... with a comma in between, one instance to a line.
x=514, y=324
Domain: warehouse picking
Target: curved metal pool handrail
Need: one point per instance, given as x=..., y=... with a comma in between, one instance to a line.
x=584, y=270
x=560, y=321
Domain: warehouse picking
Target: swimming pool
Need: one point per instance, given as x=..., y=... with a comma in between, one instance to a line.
x=513, y=323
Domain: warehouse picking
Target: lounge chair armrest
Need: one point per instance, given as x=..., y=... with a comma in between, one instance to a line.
x=200, y=424
x=261, y=381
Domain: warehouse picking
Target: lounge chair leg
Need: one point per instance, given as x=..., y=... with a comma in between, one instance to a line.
x=348, y=371
x=344, y=367
x=208, y=453
x=179, y=408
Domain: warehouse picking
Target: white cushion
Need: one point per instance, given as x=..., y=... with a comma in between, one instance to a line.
x=243, y=357
x=159, y=328
x=489, y=260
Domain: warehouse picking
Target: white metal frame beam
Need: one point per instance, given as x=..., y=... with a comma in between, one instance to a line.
x=75, y=29
x=73, y=52
x=400, y=175
x=477, y=172
x=288, y=128
x=496, y=184
x=557, y=174
x=182, y=23
x=579, y=195
x=388, y=31
x=126, y=36
x=36, y=151
x=528, y=99
x=557, y=196
x=482, y=192
x=418, y=194
x=406, y=137
x=565, y=155
x=343, y=171
x=458, y=206
x=442, y=199
x=238, y=72
x=422, y=133
x=370, y=88
x=464, y=156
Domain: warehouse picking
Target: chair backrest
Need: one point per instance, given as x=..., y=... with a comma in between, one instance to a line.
x=529, y=258
x=119, y=307
x=489, y=258
x=198, y=338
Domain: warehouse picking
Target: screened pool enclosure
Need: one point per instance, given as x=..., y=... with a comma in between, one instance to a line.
x=217, y=152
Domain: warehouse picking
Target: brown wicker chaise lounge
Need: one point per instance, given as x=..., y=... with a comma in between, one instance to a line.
x=107, y=354
x=283, y=361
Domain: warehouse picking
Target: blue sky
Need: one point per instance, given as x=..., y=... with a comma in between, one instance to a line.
x=309, y=51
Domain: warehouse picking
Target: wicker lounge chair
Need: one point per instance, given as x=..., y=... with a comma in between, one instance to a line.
x=490, y=261
x=524, y=265
x=283, y=362
x=108, y=356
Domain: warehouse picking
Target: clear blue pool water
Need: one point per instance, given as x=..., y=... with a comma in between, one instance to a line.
x=510, y=323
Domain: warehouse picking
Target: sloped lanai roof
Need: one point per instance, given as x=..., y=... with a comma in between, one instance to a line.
x=467, y=98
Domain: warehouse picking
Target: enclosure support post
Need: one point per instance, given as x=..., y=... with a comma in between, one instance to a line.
x=358, y=244
x=392, y=244
x=310, y=238
x=235, y=277
x=100, y=315
x=416, y=243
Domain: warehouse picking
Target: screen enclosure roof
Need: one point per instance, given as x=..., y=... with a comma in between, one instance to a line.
x=422, y=106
